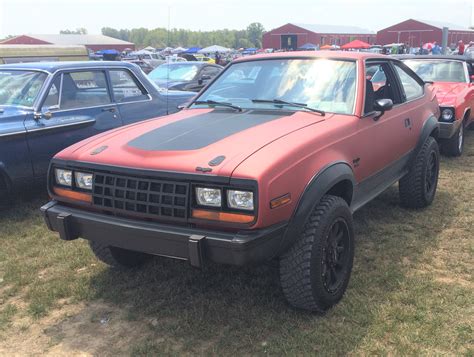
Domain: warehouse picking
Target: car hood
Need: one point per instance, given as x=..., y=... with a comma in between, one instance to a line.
x=191, y=139
x=447, y=92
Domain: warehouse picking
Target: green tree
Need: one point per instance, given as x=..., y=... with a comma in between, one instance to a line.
x=255, y=32
x=78, y=31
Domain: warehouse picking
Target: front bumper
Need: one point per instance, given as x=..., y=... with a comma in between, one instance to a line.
x=447, y=130
x=186, y=243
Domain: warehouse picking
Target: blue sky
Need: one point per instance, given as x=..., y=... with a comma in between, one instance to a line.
x=50, y=16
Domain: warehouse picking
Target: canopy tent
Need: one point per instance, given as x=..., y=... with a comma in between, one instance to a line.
x=141, y=52
x=108, y=52
x=329, y=47
x=192, y=50
x=356, y=45
x=308, y=46
x=149, y=48
x=179, y=50
x=214, y=49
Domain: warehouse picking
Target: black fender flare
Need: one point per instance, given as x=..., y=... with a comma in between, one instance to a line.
x=429, y=127
x=320, y=184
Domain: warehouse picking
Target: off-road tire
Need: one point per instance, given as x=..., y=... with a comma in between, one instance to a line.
x=118, y=257
x=417, y=189
x=302, y=267
x=454, y=146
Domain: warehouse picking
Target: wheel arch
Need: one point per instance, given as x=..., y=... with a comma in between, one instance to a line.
x=430, y=128
x=336, y=179
x=5, y=182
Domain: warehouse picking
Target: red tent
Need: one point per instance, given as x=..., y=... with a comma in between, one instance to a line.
x=356, y=44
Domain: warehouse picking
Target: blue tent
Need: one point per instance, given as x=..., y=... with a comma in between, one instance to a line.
x=108, y=52
x=308, y=46
x=192, y=50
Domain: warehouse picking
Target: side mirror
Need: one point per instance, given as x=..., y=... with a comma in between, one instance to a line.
x=382, y=106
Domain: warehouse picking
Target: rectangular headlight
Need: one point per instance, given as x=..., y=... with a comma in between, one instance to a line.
x=84, y=180
x=240, y=200
x=211, y=197
x=63, y=177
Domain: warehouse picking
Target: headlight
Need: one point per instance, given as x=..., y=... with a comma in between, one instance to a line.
x=84, y=180
x=447, y=114
x=63, y=177
x=240, y=199
x=208, y=196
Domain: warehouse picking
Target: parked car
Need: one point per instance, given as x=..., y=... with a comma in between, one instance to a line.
x=187, y=76
x=144, y=66
x=45, y=107
x=452, y=76
x=270, y=160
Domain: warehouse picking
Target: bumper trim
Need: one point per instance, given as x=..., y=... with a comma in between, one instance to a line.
x=447, y=130
x=181, y=242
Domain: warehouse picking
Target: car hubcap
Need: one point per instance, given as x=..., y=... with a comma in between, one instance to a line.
x=461, y=137
x=336, y=256
x=431, y=172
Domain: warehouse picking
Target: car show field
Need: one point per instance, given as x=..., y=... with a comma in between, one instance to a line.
x=411, y=291
x=236, y=179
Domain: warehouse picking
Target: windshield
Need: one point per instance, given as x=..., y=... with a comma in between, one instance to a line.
x=439, y=70
x=20, y=88
x=175, y=72
x=327, y=85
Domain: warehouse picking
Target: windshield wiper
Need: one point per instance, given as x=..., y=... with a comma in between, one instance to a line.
x=218, y=104
x=291, y=104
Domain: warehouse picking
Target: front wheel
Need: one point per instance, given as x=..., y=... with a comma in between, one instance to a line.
x=455, y=145
x=315, y=271
x=417, y=189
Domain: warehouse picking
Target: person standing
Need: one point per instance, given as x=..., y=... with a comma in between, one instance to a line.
x=461, y=48
x=217, y=58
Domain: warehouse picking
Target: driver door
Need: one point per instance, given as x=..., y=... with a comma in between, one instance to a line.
x=77, y=105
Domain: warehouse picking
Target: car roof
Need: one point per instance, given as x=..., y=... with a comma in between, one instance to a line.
x=434, y=57
x=197, y=63
x=52, y=67
x=350, y=55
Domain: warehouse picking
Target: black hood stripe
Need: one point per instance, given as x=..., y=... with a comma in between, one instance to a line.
x=202, y=130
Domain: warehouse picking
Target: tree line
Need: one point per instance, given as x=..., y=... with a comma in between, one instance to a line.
x=161, y=37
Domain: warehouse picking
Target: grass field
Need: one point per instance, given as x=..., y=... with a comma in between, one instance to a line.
x=411, y=293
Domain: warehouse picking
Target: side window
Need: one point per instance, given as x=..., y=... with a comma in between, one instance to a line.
x=379, y=84
x=52, y=99
x=412, y=89
x=125, y=87
x=84, y=89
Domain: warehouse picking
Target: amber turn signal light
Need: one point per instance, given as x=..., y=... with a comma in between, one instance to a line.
x=280, y=201
x=222, y=216
x=72, y=195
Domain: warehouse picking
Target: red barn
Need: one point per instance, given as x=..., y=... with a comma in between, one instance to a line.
x=293, y=36
x=415, y=32
x=92, y=42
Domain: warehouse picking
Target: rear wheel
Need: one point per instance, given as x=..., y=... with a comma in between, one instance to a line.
x=455, y=145
x=118, y=257
x=315, y=272
x=418, y=188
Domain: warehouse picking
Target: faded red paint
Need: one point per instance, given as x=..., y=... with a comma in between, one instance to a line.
x=272, y=39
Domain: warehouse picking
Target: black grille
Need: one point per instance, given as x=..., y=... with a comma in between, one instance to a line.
x=142, y=196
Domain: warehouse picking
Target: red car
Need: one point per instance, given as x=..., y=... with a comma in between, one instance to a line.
x=269, y=161
x=452, y=76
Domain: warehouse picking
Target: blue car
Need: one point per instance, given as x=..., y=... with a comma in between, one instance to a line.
x=46, y=107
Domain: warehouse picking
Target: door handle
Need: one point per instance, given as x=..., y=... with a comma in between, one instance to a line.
x=408, y=123
x=112, y=110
